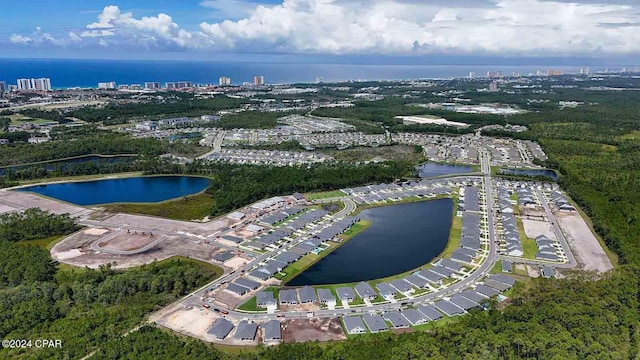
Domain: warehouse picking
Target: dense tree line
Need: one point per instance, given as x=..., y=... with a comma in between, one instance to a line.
x=4, y=123
x=104, y=145
x=33, y=224
x=252, y=120
x=15, y=136
x=121, y=113
x=84, y=308
x=53, y=115
x=234, y=186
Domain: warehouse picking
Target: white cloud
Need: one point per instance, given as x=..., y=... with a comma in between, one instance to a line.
x=19, y=39
x=486, y=27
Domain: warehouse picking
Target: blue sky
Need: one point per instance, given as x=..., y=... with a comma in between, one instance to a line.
x=322, y=29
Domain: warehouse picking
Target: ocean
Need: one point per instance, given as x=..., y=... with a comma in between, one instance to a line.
x=87, y=73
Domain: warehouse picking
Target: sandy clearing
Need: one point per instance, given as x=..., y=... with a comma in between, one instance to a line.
x=66, y=255
x=235, y=262
x=584, y=244
x=96, y=231
x=6, y=209
x=534, y=228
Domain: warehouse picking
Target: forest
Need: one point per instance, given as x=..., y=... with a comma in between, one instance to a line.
x=121, y=113
x=84, y=308
x=34, y=224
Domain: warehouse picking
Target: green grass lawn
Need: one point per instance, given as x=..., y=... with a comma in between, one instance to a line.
x=497, y=268
x=46, y=243
x=529, y=246
x=434, y=324
x=325, y=195
x=250, y=305
x=189, y=208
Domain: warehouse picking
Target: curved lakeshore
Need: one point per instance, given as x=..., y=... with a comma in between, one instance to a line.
x=139, y=189
x=414, y=234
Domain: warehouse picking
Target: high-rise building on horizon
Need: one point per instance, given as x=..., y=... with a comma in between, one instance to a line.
x=224, y=81
x=178, y=85
x=584, y=71
x=258, y=80
x=24, y=84
x=472, y=75
x=3, y=87
x=152, y=85
x=107, y=85
x=493, y=86
x=41, y=84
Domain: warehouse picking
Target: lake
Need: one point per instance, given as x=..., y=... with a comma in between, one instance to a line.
x=429, y=169
x=134, y=189
x=401, y=237
x=550, y=174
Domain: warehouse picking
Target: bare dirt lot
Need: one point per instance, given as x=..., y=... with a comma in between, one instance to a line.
x=76, y=250
x=148, y=222
x=584, y=245
x=194, y=322
x=23, y=200
x=534, y=228
x=303, y=330
x=126, y=241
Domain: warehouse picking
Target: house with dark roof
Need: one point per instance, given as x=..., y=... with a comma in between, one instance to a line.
x=325, y=296
x=415, y=317
x=375, y=323
x=249, y=284
x=346, y=294
x=271, y=331
x=397, y=320
x=307, y=295
x=448, y=308
x=386, y=290
x=220, y=328
x=354, y=325
x=288, y=297
x=430, y=311
x=365, y=290
x=265, y=299
x=246, y=331
x=236, y=289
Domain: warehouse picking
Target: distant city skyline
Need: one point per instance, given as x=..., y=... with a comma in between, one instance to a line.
x=386, y=31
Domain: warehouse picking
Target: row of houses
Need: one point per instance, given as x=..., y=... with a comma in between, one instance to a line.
x=458, y=304
x=246, y=331
x=469, y=199
x=548, y=249
x=401, y=190
x=241, y=286
x=561, y=202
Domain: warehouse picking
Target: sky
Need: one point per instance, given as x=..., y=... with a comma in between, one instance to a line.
x=328, y=30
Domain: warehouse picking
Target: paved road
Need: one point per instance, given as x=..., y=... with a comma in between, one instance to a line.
x=556, y=229
x=194, y=299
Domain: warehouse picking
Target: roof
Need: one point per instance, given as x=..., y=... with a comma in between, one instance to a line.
x=288, y=296
x=414, y=316
x=397, y=320
x=430, y=311
x=271, y=330
x=463, y=302
x=325, y=295
x=497, y=285
x=375, y=322
x=237, y=289
x=249, y=284
x=450, y=264
x=365, y=290
x=220, y=328
x=354, y=324
x=224, y=256
x=548, y=271
x=473, y=296
x=503, y=279
x=441, y=271
x=385, y=289
x=430, y=275
x=507, y=266
x=448, y=308
x=416, y=280
x=486, y=290
x=401, y=285
x=259, y=275
x=307, y=294
x=265, y=298
x=345, y=293
x=246, y=331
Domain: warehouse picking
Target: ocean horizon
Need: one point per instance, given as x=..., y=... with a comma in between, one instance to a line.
x=86, y=73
